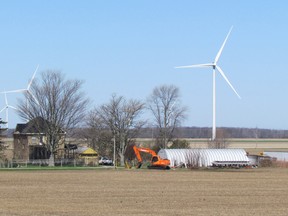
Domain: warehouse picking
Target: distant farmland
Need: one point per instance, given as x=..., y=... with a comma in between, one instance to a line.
x=250, y=145
x=144, y=192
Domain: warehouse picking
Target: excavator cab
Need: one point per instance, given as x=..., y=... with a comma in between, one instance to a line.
x=154, y=159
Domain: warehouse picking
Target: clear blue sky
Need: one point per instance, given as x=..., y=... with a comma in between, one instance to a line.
x=130, y=47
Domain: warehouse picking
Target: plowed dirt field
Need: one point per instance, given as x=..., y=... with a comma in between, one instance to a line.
x=144, y=192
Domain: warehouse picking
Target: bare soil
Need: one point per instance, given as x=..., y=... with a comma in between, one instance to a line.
x=144, y=192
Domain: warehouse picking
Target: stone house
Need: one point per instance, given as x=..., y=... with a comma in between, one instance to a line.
x=30, y=141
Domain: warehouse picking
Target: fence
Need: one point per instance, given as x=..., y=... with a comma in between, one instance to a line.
x=81, y=162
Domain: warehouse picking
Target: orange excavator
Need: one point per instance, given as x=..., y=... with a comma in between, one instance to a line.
x=156, y=161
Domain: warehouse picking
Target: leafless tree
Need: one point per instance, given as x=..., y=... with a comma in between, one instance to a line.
x=194, y=159
x=164, y=103
x=221, y=140
x=58, y=104
x=3, y=147
x=180, y=144
x=98, y=134
x=122, y=118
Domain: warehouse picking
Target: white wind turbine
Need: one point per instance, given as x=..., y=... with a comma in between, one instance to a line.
x=214, y=67
x=6, y=107
x=27, y=90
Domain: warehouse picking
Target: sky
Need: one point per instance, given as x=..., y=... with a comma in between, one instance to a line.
x=129, y=47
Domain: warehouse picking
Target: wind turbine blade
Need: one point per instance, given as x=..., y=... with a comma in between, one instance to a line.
x=34, y=74
x=224, y=76
x=12, y=107
x=3, y=109
x=6, y=101
x=14, y=91
x=34, y=98
x=197, y=65
x=221, y=49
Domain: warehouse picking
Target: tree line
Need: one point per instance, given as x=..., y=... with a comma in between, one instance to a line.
x=229, y=132
x=57, y=105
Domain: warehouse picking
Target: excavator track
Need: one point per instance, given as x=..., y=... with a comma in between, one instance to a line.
x=159, y=167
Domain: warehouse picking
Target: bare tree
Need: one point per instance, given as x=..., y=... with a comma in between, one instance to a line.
x=194, y=159
x=122, y=119
x=180, y=144
x=221, y=140
x=3, y=147
x=164, y=103
x=98, y=134
x=58, y=104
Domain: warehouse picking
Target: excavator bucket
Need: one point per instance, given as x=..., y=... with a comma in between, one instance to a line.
x=139, y=164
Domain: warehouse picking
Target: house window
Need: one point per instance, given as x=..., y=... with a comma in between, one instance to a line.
x=34, y=141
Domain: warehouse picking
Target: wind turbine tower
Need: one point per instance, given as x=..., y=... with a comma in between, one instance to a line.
x=215, y=67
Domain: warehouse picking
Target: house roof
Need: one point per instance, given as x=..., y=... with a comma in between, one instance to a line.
x=20, y=127
x=34, y=126
x=70, y=146
x=85, y=150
